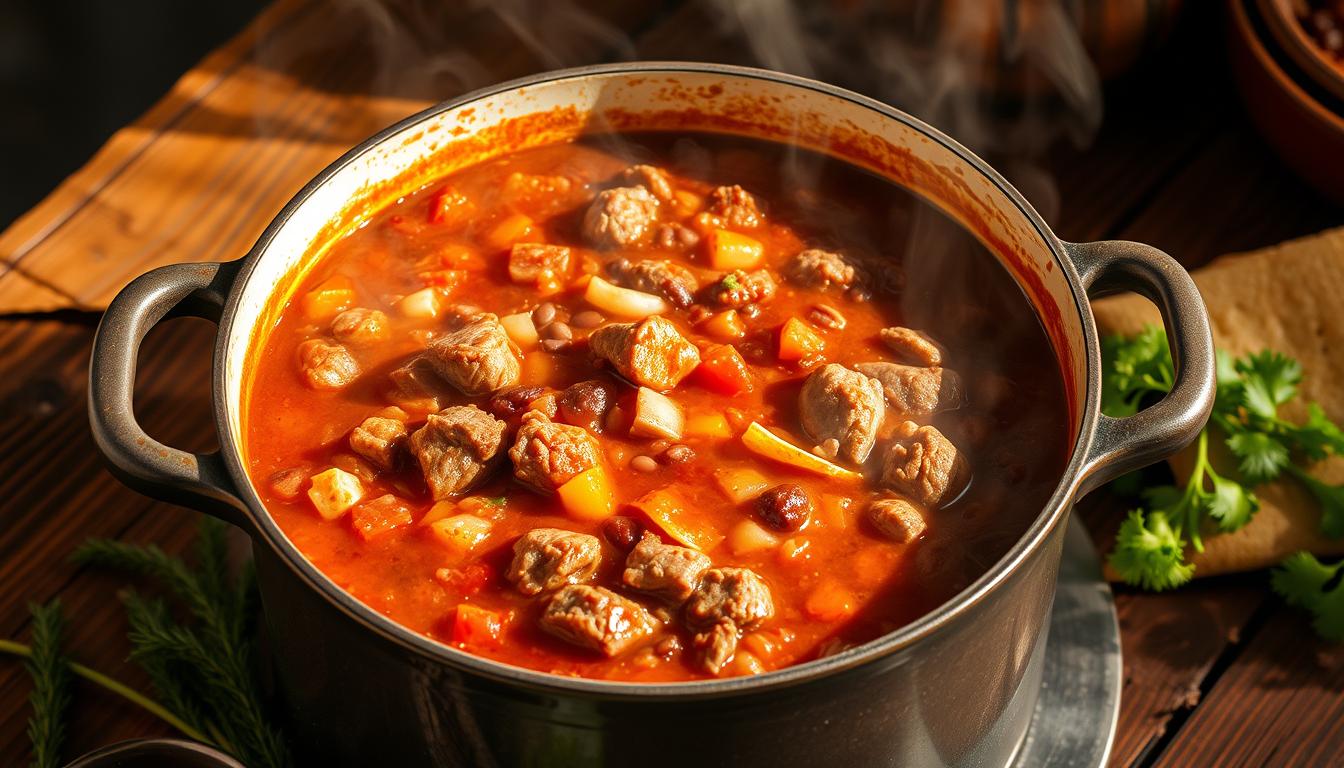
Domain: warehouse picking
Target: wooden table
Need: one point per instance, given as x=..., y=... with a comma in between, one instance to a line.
x=1217, y=673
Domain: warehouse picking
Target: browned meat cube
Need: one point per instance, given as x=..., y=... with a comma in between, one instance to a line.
x=546, y=455
x=912, y=346
x=733, y=595
x=717, y=646
x=545, y=559
x=620, y=217
x=359, y=326
x=416, y=387
x=897, y=519
x=585, y=404
x=597, y=619
x=650, y=178
x=288, y=483
x=736, y=207
x=837, y=404
x=381, y=441
x=739, y=288
x=456, y=449
x=651, y=353
x=916, y=392
x=477, y=358
x=532, y=263
x=656, y=276
x=326, y=365
x=815, y=268
x=923, y=465
x=669, y=572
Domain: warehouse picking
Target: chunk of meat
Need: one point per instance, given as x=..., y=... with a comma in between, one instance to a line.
x=546, y=559
x=675, y=236
x=513, y=401
x=846, y=406
x=913, y=391
x=380, y=440
x=416, y=386
x=533, y=263
x=739, y=288
x=923, y=465
x=477, y=358
x=288, y=483
x=736, y=207
x=326, y=365
x=359, y=326
x=651, y=353
x=815, y=268
x=597, y=619
x=912, y=346
x=728, y=602
x=657, y=276
x=650, y=178
x=897, y=519
x=456, y=449
x=669, y=572
x=585, y=404
x=546, y=455
x=620, y=217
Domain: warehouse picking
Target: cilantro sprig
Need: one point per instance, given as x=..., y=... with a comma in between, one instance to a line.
x=1150, y=547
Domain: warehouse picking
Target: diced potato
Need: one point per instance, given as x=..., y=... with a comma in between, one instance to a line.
x=521, y=329
x=421, y=305
x=835, y=511
x=510, y=230
x=334, y=492
x=623, y=302
x=540, y=368
x=334, y=295
x=711, y=425
x=461, y=533
x=749, y=536
x=665, y=509
x=657, y=415
x=439, y=511
x=830, y=601
x=762, y=441
x=744, y=664
x=726, y=325
x=733, y=250
x=741, y=484
x=797, y=341
x=589, y=495
x=794, y=549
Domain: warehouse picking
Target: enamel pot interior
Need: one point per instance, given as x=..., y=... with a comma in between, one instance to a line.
x=704, y=98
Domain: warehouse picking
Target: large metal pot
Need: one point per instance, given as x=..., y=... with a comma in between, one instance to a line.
x=956, y=687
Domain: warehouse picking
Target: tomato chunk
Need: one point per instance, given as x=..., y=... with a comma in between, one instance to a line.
x=723, y=370
x=475, y=627
x=374, y=518
x=467, y=580
x=449, y=206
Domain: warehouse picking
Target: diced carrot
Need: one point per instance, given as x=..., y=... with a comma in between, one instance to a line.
x=830, y=601
x=835, y=511
x=461, y=533
x=733, y=250
x=797, y=341
x=589, y=495
x=373, y=518
x=510, y=230
x=467, y=580
x=708, y=424
x=444, y=279
x=726, y=325
x=665, y=508
x=449, y=207
x=475, y=627
x=723, y=370
x=335, y=294
x=794, y=550
x=741, y=484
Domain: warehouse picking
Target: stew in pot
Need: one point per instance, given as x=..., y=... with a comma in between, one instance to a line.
x=656, y=407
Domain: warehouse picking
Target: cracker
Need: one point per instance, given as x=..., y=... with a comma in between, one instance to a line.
x=1288, y=298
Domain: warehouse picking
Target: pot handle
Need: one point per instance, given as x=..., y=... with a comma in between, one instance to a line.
x=197, y=480
x=1123, y=445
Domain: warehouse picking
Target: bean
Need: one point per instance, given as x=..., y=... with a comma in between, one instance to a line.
x=557, y=330
x=543, y=314
x=826, y=316
x=659, y=446
x=588, y=319
x=643, y=464
x=678, y=454
x=622, y=532
x=555, y=345
x=786, y=507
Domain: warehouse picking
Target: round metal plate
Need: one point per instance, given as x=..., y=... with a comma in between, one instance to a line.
x=1074, y=723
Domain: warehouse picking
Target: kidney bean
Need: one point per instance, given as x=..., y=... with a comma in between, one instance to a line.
x=587, y=319
x=543, y=314
x=623, y=532
x=786, y=507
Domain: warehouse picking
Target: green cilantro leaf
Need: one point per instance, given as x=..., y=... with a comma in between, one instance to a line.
x=496, y=501
x=1132, y=368
x=1149, y=552
x=1331, y=499
x=1318, y=437
x=1260, y=457
x=1231, y=505
x=730, y=282
x=1306, y=582
x=1270, y=380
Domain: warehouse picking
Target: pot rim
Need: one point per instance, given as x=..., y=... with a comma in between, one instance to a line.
x=905, y=637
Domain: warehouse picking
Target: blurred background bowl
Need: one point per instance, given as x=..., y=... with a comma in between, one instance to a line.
x=1298, y=120
x=1284, y=20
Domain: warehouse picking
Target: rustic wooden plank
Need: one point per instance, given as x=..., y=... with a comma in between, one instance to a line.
x=1278, y=705
x=291, y=94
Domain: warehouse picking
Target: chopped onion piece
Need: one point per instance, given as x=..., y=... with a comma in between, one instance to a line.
x=623, y=302
x=657, y=415
x=762, y=441
x=521, y=329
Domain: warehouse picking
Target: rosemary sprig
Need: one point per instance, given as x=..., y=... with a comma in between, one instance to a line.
x=51, y=685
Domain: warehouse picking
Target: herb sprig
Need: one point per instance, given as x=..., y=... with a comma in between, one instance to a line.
x=1151, y=544
x=51, y=685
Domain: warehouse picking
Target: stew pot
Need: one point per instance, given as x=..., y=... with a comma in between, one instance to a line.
x=956, y=687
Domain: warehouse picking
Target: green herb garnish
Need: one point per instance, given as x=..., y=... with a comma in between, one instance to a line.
x=1304, y=581
x=51, y=685
x=730, y=282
